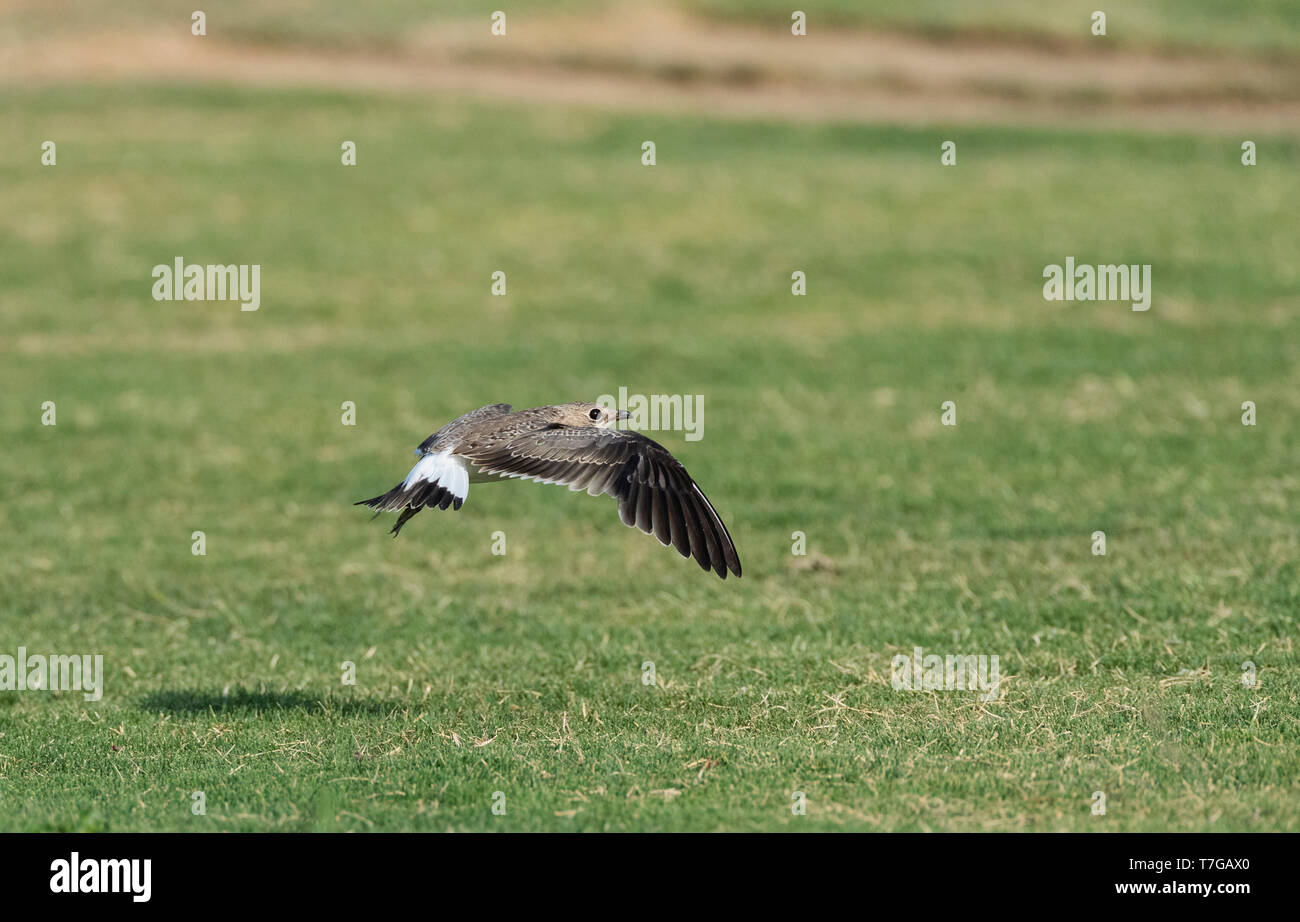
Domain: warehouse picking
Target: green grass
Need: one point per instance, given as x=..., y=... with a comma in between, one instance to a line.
x=1268, y=26
x=522, y=674
x=1255, y=26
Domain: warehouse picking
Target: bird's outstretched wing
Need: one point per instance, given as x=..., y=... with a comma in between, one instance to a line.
x=654, y=492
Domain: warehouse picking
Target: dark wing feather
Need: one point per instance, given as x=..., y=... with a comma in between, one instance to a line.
x=655, y=493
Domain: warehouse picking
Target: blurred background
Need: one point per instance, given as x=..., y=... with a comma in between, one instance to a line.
x=775, y=153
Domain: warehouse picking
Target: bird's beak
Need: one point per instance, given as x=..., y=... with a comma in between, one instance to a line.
x=623, y=414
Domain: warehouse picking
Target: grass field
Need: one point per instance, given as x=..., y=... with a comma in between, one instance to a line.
x=522, y=674
x=1266, y=26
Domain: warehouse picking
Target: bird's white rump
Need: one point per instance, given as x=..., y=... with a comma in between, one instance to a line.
x=442, y=468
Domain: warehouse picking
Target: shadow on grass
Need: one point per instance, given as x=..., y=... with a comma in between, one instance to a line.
x=245, y=701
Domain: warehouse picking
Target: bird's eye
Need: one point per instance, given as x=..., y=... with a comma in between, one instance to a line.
x=595, y=413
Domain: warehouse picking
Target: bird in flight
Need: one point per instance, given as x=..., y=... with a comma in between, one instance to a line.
x=571, y=444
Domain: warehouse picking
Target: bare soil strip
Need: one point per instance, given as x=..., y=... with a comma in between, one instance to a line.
x=658, y=60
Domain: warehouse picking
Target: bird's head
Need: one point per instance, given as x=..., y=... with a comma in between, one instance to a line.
x=589, y=415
